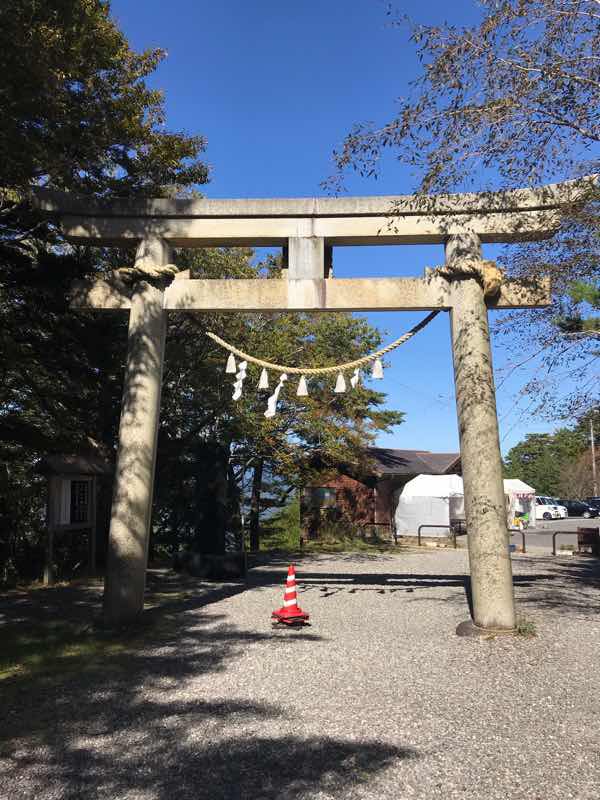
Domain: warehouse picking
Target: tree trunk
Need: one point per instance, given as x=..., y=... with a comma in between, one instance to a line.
x=211, y=498
x=234, y=514
x=255, y=506
x=221, y=503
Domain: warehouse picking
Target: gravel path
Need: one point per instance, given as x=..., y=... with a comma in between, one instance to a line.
x=377, y=699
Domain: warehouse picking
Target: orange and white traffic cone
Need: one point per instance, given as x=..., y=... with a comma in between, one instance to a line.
x=290, y=612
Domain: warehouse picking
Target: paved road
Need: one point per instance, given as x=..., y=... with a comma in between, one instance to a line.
x=540, y=537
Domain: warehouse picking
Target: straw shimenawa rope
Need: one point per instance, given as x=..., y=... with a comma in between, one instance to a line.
x=324, y=370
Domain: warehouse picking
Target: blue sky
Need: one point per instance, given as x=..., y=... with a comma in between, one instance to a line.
x=274, y=87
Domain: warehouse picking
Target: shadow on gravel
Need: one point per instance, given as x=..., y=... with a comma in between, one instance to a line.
x=80, y=603
x=388, y=584
x=49, y=640
x=571, y=585
x=284, y=558
x=48, y=603
x=135, y=724
x=381, y=582
x=345, y=581
x=170, y=760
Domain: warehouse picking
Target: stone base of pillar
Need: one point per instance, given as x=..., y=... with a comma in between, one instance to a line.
x=468, y=628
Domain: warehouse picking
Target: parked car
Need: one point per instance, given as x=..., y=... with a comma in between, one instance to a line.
x=562, y=509
x=577, y=508
x=594, y=502
x=545, y=508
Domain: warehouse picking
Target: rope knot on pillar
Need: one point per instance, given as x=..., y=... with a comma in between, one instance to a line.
x=151, y=265
x=159, y=276
x=463, y=260
x=489, y=275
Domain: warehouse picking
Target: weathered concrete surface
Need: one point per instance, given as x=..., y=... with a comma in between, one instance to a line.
x=136, y=458
x=552, y=195
x=241, y=231
x=491, y=575
x=338, y=294
x=306, y=258
x=307, y=228
x=508, y=215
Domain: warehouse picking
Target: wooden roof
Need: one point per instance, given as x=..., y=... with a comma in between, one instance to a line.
x=76, y=464
x=390, y=462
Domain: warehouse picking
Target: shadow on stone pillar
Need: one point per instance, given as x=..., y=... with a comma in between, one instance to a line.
x=136, y=458
x=491, y=571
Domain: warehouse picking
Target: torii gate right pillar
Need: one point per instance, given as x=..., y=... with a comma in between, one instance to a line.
x=485, y=510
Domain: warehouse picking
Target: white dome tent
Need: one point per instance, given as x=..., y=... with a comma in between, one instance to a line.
x=437, y=499
x=429, y=500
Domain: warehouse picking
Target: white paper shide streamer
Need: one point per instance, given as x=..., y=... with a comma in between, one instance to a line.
x=377, y=372
x=231, y=368
x=302, y=390
x=340, y=384
x=239, y=380
x=355, y=378
x=272, y=401
x=263, y=383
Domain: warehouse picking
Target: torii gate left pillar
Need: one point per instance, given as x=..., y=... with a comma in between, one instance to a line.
x=308, y=228
x=133, y=487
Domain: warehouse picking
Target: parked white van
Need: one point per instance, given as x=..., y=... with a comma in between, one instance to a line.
x=545, y=508
x=562, y=510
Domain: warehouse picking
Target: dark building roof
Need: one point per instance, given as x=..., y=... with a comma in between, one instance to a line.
x=80, y=464
x=390, y=462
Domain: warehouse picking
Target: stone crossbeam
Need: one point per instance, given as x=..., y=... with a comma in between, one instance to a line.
x=335, y=231
x=335, y=294
x=554, y=195
x=505, y=216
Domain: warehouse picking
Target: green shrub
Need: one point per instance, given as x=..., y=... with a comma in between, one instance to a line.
x=281, y=531
x=526, y=628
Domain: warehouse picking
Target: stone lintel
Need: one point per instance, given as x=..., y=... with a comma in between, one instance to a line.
x=333, y=230
x=338, y=294
x=522, y=199
x=333, y=294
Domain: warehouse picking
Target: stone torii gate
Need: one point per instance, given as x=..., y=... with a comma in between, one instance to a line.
x=307, y=229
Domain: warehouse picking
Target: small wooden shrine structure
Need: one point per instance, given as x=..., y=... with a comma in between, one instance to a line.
x=72, y=506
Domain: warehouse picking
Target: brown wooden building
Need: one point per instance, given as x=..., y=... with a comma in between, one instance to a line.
x=367, y=497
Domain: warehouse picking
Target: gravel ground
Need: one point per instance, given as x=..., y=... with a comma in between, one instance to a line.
x=378, y=698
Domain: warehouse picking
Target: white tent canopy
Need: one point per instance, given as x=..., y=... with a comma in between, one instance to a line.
x=436, y=499
x=520, y=499
x=429, y=500
x=516, y=486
